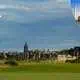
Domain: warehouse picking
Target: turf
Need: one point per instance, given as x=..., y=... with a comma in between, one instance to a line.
x=39, y=76
x=41, y=72
x=48, y=68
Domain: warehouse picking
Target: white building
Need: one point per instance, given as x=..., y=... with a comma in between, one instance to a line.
x=63, y=58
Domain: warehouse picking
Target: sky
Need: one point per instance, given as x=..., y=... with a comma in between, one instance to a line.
x=42, y=23
x=75, y=4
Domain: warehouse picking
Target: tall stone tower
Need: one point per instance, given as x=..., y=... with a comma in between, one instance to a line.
x=26, y=51
x=25, y=47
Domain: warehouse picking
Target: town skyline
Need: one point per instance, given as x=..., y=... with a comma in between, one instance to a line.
x=26, y=48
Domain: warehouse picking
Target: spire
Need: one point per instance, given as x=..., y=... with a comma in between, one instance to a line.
x=25, y=47
x=25, y=44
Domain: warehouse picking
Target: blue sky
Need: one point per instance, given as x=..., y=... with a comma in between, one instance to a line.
x=42, y=23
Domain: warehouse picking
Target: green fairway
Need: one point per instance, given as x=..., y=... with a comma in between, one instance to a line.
x=39, y=76
x=41, y=72
x=39, y=68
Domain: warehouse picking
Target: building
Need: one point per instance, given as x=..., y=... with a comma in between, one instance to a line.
x=26, y=55
x=63, y=58
x=25, y=47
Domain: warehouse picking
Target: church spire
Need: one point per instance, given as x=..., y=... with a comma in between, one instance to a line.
x=25, y=47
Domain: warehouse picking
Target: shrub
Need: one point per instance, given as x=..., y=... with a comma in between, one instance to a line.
x=11, y=62
x=73, y=61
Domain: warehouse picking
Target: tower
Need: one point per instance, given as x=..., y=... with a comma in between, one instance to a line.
x=25, y=48
x=26, y=55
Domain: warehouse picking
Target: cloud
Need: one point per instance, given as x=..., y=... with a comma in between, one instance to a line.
x=42, y=5
x=29, y=11
x=69, y=43
x=18, y=7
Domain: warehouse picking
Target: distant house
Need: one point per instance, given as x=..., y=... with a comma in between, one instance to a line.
x=69, y=57
x=63, y=58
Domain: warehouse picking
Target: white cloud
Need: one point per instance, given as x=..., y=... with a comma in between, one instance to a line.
x=1, y=16
x=51, y=4
x=69, y=43
x=19, y=7
x=36, y=10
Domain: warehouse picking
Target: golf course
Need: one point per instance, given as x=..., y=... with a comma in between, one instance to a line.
x=40, y=72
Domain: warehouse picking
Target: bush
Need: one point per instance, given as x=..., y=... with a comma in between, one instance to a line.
x=11, y=62
x=73, y=61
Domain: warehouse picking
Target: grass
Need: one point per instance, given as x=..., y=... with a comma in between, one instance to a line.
x=39, y=76
x=48, y=68
x=41, y=72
